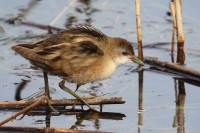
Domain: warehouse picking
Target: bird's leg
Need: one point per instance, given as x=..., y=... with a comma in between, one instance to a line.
x=62, y=86
x=77, y=86
x=46, y=83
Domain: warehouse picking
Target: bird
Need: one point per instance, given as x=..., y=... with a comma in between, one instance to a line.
x=78, y=54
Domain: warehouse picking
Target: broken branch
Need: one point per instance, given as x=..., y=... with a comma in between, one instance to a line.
x=64, y=102
x=43, y=129
x=175, y=68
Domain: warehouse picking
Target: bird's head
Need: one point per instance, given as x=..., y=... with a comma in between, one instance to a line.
x=123, y=52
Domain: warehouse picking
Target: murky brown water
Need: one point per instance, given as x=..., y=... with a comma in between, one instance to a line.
x=161, y=103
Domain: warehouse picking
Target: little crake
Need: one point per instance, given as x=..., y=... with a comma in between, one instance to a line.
x=79, y=55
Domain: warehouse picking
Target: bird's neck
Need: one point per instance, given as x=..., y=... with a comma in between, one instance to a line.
x=108, y=67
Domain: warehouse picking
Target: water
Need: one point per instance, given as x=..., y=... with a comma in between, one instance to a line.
x=158, y=107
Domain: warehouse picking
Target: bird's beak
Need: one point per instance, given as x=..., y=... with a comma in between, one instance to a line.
x=136, y=60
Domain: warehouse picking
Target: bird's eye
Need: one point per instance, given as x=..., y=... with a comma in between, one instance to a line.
x=125, y=53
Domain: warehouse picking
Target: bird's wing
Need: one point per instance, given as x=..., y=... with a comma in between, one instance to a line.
x=69, y=35
x=81, y=56
x=72, y=57
x=65, y=57
x=73, y=50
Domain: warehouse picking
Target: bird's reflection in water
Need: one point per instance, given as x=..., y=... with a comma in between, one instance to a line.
x=80, y=115
x=95, y=116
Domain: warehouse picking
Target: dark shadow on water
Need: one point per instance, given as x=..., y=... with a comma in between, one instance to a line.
x=19, y=89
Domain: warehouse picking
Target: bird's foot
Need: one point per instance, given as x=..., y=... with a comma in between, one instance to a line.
x=62, y=86
x=50, y=106
x=84, y=98
x=45, y=94
x=40, y=95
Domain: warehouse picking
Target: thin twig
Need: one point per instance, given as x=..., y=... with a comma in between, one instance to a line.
x=40, y=26
x=27, y=109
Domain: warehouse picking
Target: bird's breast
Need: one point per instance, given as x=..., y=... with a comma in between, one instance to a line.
x=101, y=70
x=106, y=69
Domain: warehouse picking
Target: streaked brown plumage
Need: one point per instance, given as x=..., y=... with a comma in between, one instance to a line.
x=79, y=54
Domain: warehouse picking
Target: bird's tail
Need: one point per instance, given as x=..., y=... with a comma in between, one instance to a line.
x=27, y=52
